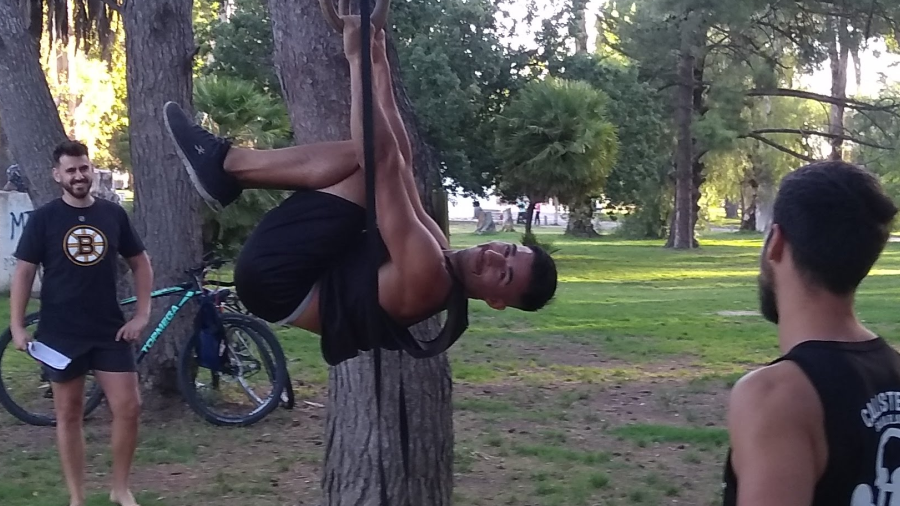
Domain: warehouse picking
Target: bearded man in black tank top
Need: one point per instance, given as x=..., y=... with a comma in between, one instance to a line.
x=304, y=263
x=820, y=425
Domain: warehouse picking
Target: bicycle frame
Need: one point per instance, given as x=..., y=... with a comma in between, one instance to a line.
x=188, y=290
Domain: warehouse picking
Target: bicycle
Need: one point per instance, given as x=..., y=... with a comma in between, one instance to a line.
x=231, y=302
x=227, y=359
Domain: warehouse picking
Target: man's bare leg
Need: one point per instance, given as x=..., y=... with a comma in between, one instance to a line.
x=68, y=400
x=124, y=397
x=220, y=171
x=353, y=188
x=311, y=166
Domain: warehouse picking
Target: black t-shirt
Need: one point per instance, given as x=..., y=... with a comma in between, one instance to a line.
x=78, y=249
x=859, y=387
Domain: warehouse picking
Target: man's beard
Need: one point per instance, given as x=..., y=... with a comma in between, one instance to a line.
x=768, y=302
x=78, y=194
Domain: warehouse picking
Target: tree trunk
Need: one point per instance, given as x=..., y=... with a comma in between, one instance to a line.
x=765, y=205
x=529, y=216
x=731, y=209
x=682, y=230
x=5, y=155
x=580, y=11
x=839, y=55
x=315, y=80
x=159, y=45
x=580, y=222
x=748, y=204
x=27, y=109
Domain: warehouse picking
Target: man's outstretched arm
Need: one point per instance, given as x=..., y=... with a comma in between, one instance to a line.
x=415, y=253
x=384, y=93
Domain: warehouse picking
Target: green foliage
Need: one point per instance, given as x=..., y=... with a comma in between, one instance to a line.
x=554, y=140
x=240, y=46
x=458, y=74
x=638, y=112
x=881, y=128
x=236, y=109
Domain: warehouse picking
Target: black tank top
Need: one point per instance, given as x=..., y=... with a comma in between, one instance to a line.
x=344, y=300
x=859, y=387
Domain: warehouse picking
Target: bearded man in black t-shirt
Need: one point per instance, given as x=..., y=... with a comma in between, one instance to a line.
x=76, y=239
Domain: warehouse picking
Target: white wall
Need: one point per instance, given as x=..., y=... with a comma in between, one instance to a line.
x=15, y=209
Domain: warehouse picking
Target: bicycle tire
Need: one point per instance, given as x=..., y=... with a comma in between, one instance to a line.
x=257, y=332
x=90, y=404
x=233, y=304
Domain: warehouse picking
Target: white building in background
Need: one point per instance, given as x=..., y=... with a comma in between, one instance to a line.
x=15, y=209
x=463, y=208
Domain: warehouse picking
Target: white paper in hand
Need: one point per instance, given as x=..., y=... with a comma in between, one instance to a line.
x=48, y=355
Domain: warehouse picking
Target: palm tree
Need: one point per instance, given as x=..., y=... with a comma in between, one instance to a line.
x=554, y=141
x=25, y=99
x=90, y=21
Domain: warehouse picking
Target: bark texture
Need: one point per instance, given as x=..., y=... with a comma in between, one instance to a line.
x=315, y=80
x=581, y=215
x=682, y=234
x=5, y=154
x=159, y=44
x=27, y=109
x=839, y=56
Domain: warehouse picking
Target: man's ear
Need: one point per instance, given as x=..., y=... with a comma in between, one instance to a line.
x=496, y=304
x=775, y=249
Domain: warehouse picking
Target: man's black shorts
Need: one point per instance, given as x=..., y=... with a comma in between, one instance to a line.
x=107, y=357
x=292, y=247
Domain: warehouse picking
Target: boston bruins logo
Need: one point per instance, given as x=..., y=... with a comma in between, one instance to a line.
x=85, y=245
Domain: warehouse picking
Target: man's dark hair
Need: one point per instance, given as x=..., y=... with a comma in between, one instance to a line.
x=68, y=148
x=837, y=219
x=542, y=287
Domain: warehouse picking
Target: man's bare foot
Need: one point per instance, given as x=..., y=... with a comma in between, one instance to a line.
x=122, y=498
x=352, y=27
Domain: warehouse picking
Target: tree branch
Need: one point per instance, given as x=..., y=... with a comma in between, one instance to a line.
x=779, y=147
x=845, y=102
x=800, y=131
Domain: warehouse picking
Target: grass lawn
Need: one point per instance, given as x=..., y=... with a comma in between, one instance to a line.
x=613, y=395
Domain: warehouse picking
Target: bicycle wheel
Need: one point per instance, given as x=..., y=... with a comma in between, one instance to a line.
x=250, y=382
x=24, y=390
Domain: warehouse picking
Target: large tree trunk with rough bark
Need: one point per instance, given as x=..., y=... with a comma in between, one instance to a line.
x=315, y=79
x=682, y=233
x=27, y=109
x=159, y=45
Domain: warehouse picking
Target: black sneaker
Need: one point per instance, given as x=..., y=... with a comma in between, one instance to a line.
x=203, y=155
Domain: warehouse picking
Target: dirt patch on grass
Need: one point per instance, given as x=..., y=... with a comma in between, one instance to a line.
x=561, y=444
x=518, y=442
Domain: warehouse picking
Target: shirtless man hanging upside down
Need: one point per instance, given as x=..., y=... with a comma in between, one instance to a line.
x=305, y=262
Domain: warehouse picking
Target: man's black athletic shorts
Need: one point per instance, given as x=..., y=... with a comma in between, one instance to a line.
x=291, y=248
x=108, y=356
